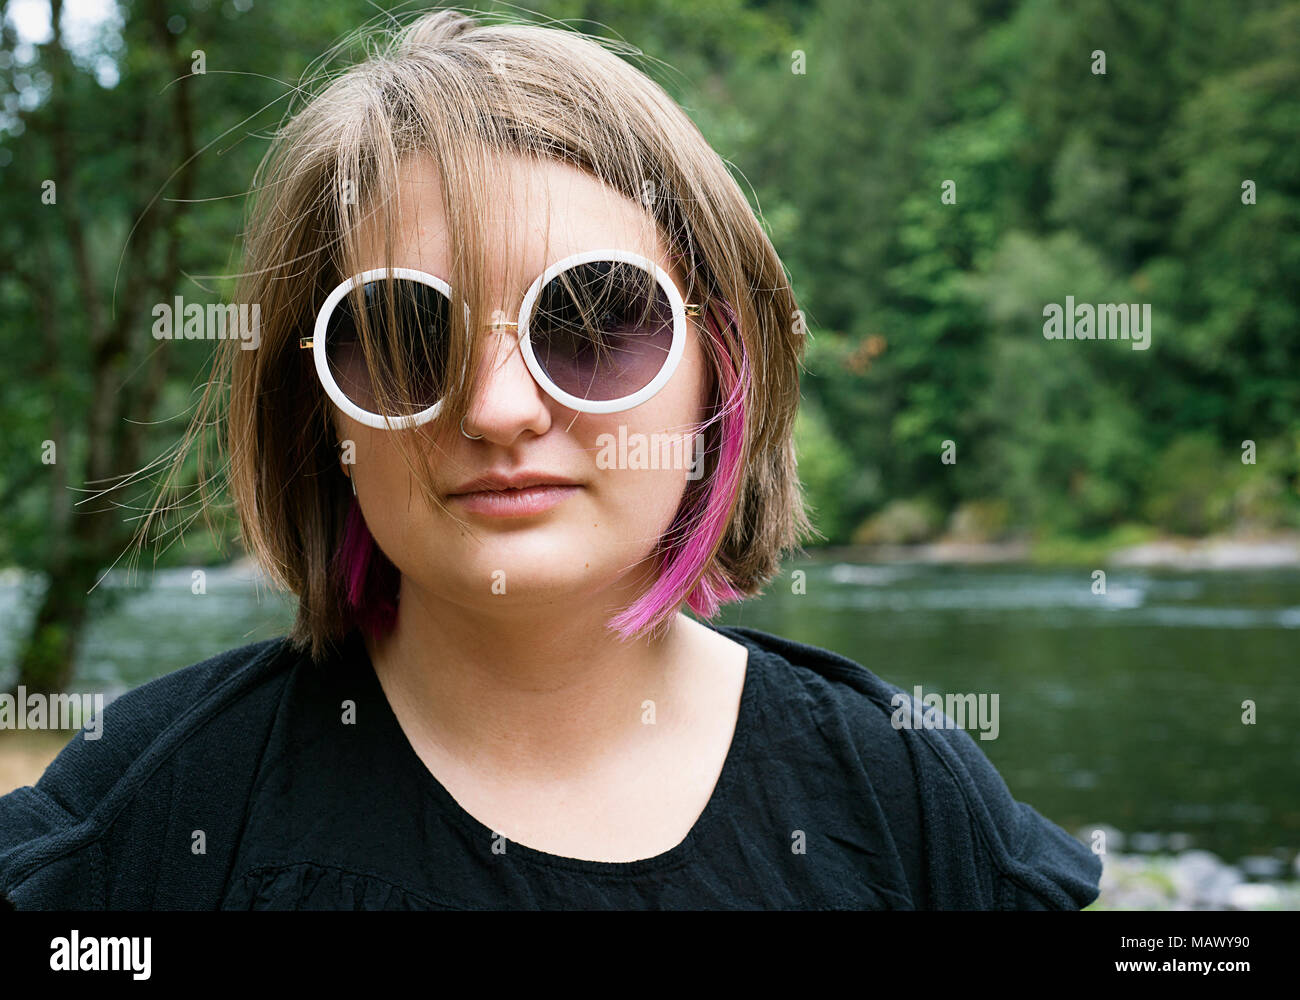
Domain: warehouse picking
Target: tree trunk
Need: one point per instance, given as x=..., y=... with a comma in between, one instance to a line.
x=49, y=653
x=91, y=540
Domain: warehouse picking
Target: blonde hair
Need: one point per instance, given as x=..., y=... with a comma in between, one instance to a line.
x=461, y=91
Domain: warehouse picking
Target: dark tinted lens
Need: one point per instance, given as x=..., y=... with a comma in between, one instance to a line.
x=408, y=347
x=602, y=330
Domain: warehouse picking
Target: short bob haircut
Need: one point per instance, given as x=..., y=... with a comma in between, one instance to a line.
x=462, y=92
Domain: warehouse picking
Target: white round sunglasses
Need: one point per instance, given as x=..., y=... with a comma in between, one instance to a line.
x=620, y=364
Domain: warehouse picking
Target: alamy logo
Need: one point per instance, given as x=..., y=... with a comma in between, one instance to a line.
x=1106, y=321
x=950, y=713
x=651, y=451
x=192, y=321
x=95, y=954
x=53, y=711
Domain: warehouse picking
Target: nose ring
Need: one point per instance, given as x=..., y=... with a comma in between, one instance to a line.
x=472, y=437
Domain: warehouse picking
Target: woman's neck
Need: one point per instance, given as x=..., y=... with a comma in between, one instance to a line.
x=535, y=689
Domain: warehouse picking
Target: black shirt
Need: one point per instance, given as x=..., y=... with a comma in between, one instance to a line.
x=247, y=781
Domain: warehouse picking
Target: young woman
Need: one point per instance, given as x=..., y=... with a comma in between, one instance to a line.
x=524, y=388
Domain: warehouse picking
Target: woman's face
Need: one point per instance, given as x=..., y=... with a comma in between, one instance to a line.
x=610, y=518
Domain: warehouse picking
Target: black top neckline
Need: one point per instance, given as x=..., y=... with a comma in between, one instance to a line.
x=680, y=853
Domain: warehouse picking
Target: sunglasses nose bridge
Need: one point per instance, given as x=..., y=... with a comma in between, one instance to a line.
x=506, y=392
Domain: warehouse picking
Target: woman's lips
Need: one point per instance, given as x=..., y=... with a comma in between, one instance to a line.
x=515, y=503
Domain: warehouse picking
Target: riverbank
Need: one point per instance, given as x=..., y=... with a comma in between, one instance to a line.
x=1188, y=554
x=25, y=755
x=1129, y=547
x=1195, y=880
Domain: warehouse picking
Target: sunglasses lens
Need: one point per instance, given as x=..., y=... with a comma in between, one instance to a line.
x=408, y=347
x=602, y=330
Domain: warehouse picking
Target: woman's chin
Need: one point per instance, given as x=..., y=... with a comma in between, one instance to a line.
x=514, y=573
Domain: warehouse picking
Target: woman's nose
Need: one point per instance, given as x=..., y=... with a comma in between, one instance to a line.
x=507, y=399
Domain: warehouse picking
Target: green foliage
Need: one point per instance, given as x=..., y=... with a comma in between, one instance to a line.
x=1053, y=549
x=980, y=521
x=1122, y=188
x=902, y=522
x=824, y=466
x=1187, y=491
x=926, y=311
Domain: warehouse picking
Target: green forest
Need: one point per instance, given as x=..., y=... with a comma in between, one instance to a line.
x=937, y=176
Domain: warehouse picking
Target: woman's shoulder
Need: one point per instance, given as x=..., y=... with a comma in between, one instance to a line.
x=145, y=725
x=184, y=742
x=835, y=698
x=920, y=762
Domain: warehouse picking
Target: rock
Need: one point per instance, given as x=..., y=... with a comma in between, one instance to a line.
x=1194, y=880
x=1262, y=866
x=1203, y=880
x=1148, y=843
x=1254, y=896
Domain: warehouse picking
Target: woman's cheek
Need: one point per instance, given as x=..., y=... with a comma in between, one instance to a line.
x=648, y=500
